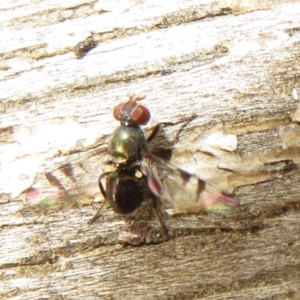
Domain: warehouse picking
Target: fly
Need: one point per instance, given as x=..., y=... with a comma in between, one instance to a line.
x=135, y=169
x=135, y=165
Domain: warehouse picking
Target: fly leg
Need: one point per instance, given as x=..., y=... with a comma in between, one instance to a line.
x=99, y=212
x=159, y=216
x=159, y=126
x=156, y=130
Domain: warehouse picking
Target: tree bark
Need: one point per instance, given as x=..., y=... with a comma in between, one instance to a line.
x=226, y=74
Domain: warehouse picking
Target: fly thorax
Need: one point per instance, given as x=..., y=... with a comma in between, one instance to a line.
x=126, y=143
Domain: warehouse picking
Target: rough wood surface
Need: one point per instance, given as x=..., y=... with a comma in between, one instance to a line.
x=228, y=67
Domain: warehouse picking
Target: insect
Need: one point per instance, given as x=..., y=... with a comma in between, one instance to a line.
x=83, y=47
x=125, y=185
x=134, y=164
x=134, y=168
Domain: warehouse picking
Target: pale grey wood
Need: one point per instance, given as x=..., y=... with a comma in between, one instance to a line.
x=230, y=67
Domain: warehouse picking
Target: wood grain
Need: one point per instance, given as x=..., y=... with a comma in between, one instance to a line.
x=230, y=67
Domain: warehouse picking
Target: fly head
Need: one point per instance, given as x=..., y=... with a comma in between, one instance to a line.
x=131, y=112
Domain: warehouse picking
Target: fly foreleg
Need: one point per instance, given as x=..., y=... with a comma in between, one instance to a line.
x=99, y=212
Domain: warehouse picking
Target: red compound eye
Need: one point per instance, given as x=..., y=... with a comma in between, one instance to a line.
x=132, y=113
x=140, y=115
x=118, y=111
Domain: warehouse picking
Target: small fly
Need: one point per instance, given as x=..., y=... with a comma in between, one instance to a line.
x=134, y=169
x=135, y=165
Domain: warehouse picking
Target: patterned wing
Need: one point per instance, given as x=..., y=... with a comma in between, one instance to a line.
x=181, y=191
x=70, y=184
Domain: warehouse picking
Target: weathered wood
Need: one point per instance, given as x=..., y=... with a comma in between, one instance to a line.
x=211, y=67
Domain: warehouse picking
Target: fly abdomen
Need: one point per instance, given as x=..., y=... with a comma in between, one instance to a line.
x=124, y=192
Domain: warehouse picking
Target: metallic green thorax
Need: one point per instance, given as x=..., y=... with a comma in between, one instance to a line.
x=126, y=143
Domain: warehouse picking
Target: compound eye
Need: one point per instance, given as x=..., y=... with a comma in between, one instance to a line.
x=140, y=115
x=118, y=111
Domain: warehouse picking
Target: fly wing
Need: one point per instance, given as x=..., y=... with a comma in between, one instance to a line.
x=181, y=191
x=70, y=184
